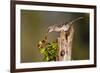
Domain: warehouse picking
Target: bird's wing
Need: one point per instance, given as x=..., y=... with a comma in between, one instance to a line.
x=57, y=29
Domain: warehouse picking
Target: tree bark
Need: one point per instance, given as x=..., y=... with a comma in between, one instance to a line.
x=65, y=44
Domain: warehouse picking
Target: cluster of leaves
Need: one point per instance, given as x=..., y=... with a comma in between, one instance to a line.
x=48, y=50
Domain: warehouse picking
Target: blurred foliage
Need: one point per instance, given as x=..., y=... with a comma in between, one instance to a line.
x=48, y=50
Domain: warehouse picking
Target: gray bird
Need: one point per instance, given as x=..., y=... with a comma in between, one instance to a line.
x=65, y=26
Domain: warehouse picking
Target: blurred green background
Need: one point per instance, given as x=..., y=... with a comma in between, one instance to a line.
x=34, y=25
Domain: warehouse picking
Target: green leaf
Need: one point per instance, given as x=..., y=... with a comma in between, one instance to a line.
x=49, y=51
x=42, y=50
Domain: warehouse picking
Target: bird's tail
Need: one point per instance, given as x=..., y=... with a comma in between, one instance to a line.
x=70, y=23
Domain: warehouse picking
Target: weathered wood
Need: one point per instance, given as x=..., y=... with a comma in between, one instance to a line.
x=65, y=44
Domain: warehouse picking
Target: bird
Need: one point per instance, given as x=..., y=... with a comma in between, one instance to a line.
x=65, y=26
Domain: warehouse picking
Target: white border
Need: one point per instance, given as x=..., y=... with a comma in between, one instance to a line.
x=52, y=64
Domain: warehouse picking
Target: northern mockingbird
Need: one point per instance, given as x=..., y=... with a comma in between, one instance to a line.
x=65, y=26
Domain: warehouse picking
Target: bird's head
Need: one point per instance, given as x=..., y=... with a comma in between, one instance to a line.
x=50, y=29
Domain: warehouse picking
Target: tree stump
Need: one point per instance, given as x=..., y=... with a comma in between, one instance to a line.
x=65, y=44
